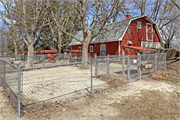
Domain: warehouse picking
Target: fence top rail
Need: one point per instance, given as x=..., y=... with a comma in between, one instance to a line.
x=31, y=68
x=27, y=55
x=121, y=56
x=66, y=54
x=40, y=67
x=9, y=63
x=154, y=54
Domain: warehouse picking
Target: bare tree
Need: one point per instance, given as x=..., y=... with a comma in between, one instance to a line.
x=2, y=44
x=8, y=19
x=3, y=39
x=176, y=4
x=30, y=18
x=91, y=12
x=59, y=11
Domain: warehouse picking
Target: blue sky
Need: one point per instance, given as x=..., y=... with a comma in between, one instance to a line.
x=1, y=8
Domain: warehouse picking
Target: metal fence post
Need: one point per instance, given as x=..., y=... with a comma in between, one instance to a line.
x=165, y=60
x=155, y=62
x=43, y=60
x=91, y=79
x=4, y=68
x=108, y=64
x=0, y=71
x=95, y=64
x=65, y=58
x=9, y=58
x=19, y=92
x=123, y=65
x=128, y=69
x=140, y=66
x=31, y=62
x=56, y=57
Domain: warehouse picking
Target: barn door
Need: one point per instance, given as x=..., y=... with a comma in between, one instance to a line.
x=103, y=50
x=149, y=32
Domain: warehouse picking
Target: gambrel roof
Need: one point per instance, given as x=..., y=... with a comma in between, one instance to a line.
x=113, y=31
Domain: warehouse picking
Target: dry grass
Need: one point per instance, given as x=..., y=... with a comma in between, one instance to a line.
x=171, y=75
x=150, y=105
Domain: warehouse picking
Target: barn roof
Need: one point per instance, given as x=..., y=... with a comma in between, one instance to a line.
x=112, y=31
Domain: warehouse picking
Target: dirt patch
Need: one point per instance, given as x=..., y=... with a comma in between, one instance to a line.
x=48, y=84
x=113, y=81
x=155, y=97
x=144, y=99
x=7, y=111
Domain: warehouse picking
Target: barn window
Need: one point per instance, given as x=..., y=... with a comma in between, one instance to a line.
x=139, y=25
x=149, y=32
x=129, y=31
x=91, y=48
x=79, y=48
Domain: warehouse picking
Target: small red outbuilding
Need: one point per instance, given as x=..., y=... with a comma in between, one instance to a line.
x=140, y=31
x=51, y=54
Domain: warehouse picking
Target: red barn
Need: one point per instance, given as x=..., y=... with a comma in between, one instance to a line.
x=141, y=31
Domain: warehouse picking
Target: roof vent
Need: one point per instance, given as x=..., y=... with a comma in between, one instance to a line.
x=129, y=43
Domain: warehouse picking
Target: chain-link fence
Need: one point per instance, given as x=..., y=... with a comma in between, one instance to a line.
x=151, y=63
x=38, y=60
x=9, y=80
x=134, y=67
x=148, y=62
x=41, y=87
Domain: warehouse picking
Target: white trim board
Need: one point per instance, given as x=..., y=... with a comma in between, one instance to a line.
x=155, y=45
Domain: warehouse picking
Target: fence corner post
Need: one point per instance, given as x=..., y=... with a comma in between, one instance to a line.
x=19, y=92
x=95, y=64
x=128, y=69
x=108, y=64
x=91, y=79
x=140, y=66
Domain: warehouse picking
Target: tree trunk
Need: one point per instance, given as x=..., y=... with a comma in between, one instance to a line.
x=30, y=53
x=15, y=49
x=85, y=55
x=59, y=49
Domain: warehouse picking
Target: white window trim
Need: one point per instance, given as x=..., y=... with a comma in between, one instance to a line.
x=147, y=31
x=139, y=27
x=79, y=47
x=100, y=48
x=91, y=50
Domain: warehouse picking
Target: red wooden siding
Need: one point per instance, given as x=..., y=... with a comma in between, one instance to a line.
x=137, y=35
x=111, y=48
